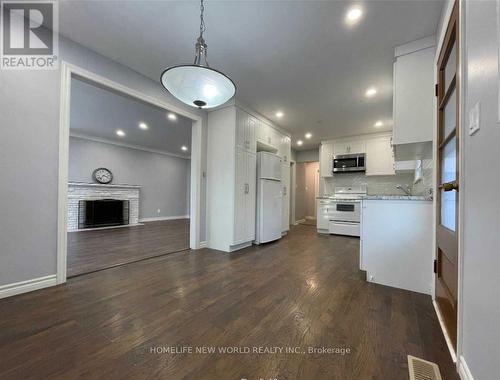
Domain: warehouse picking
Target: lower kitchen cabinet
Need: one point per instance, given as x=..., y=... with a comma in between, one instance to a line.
x=396, y=243
x=323, y=216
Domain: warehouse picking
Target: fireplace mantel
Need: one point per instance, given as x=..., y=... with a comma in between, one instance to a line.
x=83, y=184
x=79, y=191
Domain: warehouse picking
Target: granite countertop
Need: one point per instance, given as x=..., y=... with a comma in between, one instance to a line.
x=384, y=198
x=398, y=197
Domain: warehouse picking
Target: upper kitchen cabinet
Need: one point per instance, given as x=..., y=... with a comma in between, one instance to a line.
x=268, y=136
x=246, y=126
x=326, y=159
x=379, y=156
x=349, y=147
x=413, y=99
x=285, y=149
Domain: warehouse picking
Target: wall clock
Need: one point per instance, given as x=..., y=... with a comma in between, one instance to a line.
x=102, y=175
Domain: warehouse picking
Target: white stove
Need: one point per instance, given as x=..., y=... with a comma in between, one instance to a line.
x=345, y=214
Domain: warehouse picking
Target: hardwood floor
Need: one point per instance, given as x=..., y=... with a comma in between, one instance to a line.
x=303, y=291
x=93, y=250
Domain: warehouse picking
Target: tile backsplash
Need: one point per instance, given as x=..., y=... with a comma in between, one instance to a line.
x=381, y=185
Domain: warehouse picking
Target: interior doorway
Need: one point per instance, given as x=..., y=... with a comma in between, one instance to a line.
x=307, y=190
x=104, y=151
x=447, y=197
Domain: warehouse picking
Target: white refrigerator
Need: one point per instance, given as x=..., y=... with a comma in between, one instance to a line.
x=269, y=197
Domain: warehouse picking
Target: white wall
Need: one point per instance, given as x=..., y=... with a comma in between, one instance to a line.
x=310, y=155
x=164, y=180
x=29, y=106
x=481, y=181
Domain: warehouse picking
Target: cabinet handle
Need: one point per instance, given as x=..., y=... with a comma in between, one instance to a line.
x=284, y=190
x=247, y=188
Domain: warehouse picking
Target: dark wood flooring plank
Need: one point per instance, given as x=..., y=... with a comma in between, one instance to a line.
x=302, y=291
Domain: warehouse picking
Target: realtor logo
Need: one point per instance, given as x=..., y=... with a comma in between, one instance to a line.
x=29, y=35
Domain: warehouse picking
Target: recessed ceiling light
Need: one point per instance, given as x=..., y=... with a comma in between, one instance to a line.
x=279, y=114
x=353, y=15
x=143, y=125
x=371, y=92
x=184, y=148
x=120, y=133
x=300, y=142
x=172, y=116
x=308, y=135
x=378, y=124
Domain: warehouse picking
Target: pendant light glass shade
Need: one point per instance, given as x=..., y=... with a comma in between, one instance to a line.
x=198, y=86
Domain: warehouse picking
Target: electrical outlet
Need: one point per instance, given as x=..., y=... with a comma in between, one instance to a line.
x=474, y=119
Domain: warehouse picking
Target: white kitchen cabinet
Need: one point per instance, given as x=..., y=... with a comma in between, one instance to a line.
x=413, y=101
x=268, y=135
x=231, y=179
x=379, y=156
x=326, y=159
x=396, y=243
x=285, y=180
x=348, y=147
x=245, y=193
x=285, y=149
x=245, y=131
x=323, y=216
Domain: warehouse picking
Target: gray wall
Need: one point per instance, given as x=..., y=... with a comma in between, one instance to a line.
x=164, y=180
x=481, y=238
x=311, y=155
x=29, y=106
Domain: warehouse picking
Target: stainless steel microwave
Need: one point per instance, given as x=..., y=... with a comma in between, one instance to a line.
x=349, y=163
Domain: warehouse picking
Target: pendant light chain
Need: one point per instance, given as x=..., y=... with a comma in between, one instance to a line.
x=202, y=20
x=200, y=57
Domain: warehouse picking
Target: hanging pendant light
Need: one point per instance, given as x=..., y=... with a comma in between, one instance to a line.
x=198, y=85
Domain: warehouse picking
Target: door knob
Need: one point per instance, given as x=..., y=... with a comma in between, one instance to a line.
x=449, y=186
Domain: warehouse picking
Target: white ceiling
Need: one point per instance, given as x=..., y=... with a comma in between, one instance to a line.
x=296, y=56
x=98, y=113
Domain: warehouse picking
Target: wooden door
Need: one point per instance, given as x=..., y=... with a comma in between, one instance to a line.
x=448, y=98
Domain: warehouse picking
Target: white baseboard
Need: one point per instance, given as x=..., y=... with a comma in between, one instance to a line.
x=445, y=333
x=203, y=244
x=157, y=219
x=10, y=290
x=299, y=221
x=463, y=369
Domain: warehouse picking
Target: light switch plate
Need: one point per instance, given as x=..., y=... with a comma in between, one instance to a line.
x=474, y=119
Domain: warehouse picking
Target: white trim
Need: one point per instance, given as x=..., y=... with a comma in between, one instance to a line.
x=159, y=218
x=67, y=71
x=461, y=167
x=27, y=286
x=445, y=332
x=299, y=221
x=125, y=145
x=463, y=369
x=203, y=244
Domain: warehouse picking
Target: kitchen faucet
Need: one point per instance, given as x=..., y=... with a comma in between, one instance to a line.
x=406, y=189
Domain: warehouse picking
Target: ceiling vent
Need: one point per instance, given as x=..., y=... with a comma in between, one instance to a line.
x=422, y=369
